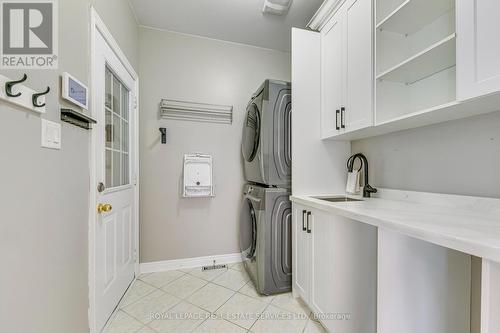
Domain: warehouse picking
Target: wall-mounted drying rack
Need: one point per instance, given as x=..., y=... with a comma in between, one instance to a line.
x=199, y=112
x=77, y=118
x=15, y=92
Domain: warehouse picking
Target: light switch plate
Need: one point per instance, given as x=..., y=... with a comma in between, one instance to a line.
x=51, y=134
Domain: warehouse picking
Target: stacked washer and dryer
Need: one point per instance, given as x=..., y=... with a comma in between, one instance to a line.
x=266, y=217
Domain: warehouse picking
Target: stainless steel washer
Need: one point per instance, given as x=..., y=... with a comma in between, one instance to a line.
x=266, y=143
x=266, y=238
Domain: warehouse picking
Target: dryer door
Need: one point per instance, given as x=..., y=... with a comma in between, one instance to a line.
x=282, y=145
x=281, y=239
x=248, y=230
x=251, y=133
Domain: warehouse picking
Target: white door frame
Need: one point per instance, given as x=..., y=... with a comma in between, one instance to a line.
x=97, y=26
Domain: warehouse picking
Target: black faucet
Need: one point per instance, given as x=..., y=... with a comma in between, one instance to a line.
x=367, y=189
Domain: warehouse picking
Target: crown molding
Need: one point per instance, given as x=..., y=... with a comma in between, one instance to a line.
x=327, y=9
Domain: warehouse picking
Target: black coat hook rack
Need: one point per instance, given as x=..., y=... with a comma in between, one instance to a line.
x=36, y=96
x=10, y=84
x=18, y=93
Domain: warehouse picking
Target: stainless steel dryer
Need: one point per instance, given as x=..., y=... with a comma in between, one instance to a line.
x=266, y=238
x=266, y=144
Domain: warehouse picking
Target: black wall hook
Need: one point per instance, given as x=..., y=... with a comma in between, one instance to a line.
x=35, y=98
x=10, y=84
x=163, y=131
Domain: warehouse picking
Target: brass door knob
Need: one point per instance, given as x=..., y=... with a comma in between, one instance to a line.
x=104, y=208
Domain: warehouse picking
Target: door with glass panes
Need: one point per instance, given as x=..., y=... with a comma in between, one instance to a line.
x=115, y=246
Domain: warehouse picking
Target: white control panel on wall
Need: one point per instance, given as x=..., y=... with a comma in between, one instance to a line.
x=51, y=134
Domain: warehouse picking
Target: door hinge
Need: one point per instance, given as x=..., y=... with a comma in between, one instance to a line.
x=134, y=179
x=135, y=103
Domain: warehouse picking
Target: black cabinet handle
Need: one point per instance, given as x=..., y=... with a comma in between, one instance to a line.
x=337, y=120
x=308, y=225
x=342, y=117
x=304, y=220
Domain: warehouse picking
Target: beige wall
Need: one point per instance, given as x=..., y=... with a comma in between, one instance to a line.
x=458, y=157
x=194, y=69
x=44, y=193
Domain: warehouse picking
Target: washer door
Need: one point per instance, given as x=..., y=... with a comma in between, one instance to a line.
x=248, y=230
x=251, y=133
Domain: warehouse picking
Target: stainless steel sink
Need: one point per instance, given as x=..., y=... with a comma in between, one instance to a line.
x=337, y=199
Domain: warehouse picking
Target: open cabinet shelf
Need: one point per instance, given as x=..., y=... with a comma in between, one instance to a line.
x=437, y=57
x=413, y=15
x=433, y=115
x=415, y=80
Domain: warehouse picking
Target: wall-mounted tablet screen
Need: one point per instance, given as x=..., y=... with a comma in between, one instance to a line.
x=74, y=91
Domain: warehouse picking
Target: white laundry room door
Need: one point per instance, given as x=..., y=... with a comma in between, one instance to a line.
x=115, y=156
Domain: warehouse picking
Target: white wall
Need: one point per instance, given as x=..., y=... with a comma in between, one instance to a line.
x=457, y=157
x=195, y=69
x=44, y=193
x=120, y=19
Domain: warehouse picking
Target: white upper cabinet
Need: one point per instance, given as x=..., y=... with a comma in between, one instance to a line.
x=478, y=50
x=318, y=166
x=359, y=64
x=332, y=76
x=347, y=69
x=392, y=65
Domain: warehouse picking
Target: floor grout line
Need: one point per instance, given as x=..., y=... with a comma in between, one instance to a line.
x=163, y=291
x=234, y=293
x=265, y=308
x=246, y=329
x=183, y=274
x=206, y=283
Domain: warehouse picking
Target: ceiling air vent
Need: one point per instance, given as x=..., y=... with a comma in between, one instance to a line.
x=199, y=112
x=276, y=7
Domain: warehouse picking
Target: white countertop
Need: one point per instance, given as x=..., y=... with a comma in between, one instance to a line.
x=467, y=224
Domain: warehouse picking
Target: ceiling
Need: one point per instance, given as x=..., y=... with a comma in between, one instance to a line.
x=240, y=21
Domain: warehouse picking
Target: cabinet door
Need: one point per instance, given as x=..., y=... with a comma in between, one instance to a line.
x=318, y=166
x=344, y=273
x=300, y=252
x=478, y=50
x=323, y=270
x=331, y=76
x=358, y=64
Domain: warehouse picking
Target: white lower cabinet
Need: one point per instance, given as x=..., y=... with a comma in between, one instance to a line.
x=335, y=269
x=301, y=253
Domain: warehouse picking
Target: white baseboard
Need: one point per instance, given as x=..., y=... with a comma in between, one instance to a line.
x=170, y=265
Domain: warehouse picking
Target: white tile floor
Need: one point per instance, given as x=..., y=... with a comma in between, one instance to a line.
x=211, y=301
